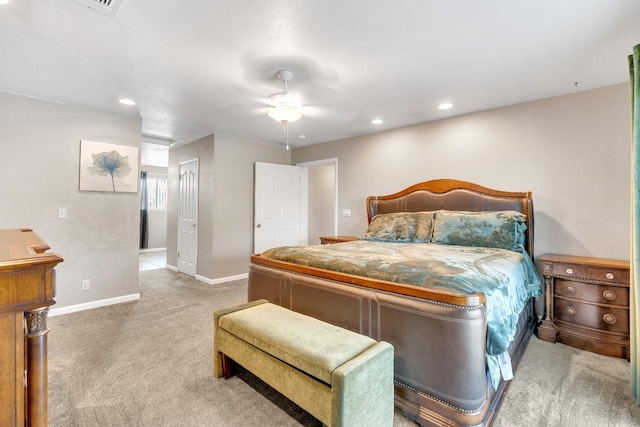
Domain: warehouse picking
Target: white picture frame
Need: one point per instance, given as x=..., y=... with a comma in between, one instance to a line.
x=108, y=167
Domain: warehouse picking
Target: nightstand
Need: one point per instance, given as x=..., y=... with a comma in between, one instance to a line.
x=587, y=303
x=327, y=240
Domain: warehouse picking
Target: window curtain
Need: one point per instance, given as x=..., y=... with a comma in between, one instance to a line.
x=634, y=70
x=144, y=217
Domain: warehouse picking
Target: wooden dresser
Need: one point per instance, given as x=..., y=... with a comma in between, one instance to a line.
x=328, y=240
x=26, y=292
x=587, y=303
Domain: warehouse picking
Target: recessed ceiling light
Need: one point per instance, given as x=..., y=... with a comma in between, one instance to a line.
x=124, y=101
x=301, y=136
x=445, y=106
x=4, y=1
x=377, y=121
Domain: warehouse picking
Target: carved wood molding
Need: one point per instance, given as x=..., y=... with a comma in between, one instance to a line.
x=36, y=321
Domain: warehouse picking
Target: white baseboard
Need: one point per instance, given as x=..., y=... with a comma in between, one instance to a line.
x=144, y=251
x=93, y=304
x=134, y=297
x=222, y=279
x=213, y=281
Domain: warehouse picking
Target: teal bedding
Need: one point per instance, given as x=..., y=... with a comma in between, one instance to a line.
x=508, y=279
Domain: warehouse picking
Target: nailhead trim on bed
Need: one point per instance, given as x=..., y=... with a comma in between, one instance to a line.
x=466, y=411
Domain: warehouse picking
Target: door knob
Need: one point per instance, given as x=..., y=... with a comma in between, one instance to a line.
x=193, y=225
x=259, y=225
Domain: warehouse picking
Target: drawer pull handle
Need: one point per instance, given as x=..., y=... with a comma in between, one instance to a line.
x=570, y=311
x=609, y=295
x=609, y=318
x=569, y=270
x=570, y=289
x=609, y=276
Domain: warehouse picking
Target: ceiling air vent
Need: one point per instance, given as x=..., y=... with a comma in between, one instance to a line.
x=107, y=7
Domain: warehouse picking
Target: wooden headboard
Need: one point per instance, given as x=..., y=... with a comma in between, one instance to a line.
x=454, y=195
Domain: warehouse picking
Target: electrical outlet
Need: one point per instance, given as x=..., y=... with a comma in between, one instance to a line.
x=346, y=212
x=85, y=284
x=62, y=213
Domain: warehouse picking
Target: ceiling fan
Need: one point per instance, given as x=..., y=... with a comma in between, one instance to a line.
x=282, y=109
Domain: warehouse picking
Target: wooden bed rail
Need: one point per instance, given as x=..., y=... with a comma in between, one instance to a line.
x=463, y=300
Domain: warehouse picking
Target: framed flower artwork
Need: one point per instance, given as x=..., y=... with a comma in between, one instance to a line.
x=108, y=167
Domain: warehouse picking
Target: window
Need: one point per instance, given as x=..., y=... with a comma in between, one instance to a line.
x=157, y=194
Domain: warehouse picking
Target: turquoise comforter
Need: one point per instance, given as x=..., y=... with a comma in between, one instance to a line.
x=508, y=279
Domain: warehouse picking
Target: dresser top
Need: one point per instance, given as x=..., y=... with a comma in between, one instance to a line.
x=20, y=246
x=591, y=261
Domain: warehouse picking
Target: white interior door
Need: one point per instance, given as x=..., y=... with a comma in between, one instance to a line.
x=280, y=206
x=188, y=218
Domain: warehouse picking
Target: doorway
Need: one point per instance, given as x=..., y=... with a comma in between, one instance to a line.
x=323, y=198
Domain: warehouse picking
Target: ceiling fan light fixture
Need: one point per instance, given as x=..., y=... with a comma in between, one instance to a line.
x=284, y=113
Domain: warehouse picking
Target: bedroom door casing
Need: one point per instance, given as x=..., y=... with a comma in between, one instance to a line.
x=188, y=218
x=280, y=206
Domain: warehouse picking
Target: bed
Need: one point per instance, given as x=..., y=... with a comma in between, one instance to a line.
x=451, y=355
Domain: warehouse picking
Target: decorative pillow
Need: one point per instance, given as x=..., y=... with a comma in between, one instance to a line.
x=414, y=227
x=500, y=229
x=424, y=226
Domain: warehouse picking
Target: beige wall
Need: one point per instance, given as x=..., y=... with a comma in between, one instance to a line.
x=40, y=153
x=571, y=151
x=233, y=200
x=225, y=203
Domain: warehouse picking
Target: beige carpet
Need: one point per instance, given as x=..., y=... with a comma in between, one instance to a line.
x=148, y=363
x=558, y=385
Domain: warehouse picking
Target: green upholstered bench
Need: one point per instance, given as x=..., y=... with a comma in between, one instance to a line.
x=340, y=377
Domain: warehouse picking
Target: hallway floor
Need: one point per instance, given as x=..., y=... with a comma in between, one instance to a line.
x=153, y=260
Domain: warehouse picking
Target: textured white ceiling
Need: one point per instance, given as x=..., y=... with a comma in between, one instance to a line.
x=201, y=66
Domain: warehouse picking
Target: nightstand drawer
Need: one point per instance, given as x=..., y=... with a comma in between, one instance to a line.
x=600, y=294
x=591, y=272
x=586, y=303
x=329, y=240
x=605, y=318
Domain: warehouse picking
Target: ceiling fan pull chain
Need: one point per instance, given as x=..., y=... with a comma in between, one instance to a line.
x=286, y=132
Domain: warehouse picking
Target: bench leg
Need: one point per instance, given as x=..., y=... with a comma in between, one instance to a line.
x=227, y=366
